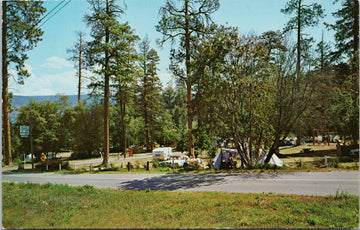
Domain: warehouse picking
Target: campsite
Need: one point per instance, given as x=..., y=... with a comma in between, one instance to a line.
x=180, y=113
x=304, y=157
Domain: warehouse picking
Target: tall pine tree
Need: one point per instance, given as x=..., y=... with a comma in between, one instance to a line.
x=149, y=91
x=184, y=20
x=20, y=33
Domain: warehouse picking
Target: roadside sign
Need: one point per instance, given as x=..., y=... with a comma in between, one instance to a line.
x=24, y=131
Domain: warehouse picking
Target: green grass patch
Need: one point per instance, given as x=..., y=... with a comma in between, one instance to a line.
x=27, y=205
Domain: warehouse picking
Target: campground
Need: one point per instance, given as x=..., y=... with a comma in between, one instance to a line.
x=295, y=157
x=302, y=195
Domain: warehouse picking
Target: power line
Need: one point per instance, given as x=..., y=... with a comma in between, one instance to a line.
x=47, y=15
x=51, y=11
x=55, y=12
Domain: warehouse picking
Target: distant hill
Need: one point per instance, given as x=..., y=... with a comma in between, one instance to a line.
x=19, y=101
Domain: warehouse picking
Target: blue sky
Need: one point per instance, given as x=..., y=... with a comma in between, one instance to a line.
x=52, y=73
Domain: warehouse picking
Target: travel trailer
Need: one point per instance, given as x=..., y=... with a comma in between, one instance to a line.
x=162, y=153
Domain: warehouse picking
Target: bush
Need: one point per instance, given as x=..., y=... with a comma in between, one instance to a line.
x=155, y=163
x=299, y=163
x=53, y=165
x=334, y=163
x=83, y=155
x=212, y=151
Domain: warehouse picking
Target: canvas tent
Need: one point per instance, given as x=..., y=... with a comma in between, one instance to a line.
x=227, y=154
x=28, y=158
x=275, y=160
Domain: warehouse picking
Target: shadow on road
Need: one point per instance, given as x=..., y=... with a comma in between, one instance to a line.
x=187, y=181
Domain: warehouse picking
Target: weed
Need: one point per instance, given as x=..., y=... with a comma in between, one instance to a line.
x=312, y=220
x=155, y=163
x=334, y=162
x=299, y=163
x=137, y=164
x=342, y=194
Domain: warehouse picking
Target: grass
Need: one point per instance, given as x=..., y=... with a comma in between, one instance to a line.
x=27, y=205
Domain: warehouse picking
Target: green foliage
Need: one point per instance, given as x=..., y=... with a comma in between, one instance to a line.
x=85, y=125
x=202, y=142
x=212, y=151
x=148, y=96
x=346, y=30
x=299, y=163
x=45, y=118
x=23, y=32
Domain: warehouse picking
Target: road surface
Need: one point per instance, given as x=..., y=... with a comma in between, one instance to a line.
x=304, y=183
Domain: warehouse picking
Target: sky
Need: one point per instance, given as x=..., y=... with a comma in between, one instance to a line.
x=52, y=73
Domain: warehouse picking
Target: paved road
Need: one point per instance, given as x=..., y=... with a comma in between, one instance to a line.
x=311, y=183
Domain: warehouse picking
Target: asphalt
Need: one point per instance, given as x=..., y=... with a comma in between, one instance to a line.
x=303, y=183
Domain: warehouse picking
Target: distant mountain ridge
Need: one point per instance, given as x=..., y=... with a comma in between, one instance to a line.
x=18, y=101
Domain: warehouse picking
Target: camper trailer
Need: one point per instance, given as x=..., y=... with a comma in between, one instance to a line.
x=162, y=153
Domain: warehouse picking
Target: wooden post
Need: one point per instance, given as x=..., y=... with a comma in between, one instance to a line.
x=148, y=166
x=325, y=161
x=328, y=137
x=129, y=166
x=313, y=136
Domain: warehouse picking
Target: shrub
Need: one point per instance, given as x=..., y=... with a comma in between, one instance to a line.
x=53, y=165
x=334, y=163
x=155, y=163
x=299, y=163
x=83, y=155
x=212, y=151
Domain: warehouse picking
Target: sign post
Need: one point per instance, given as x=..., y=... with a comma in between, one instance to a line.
x=24, y=131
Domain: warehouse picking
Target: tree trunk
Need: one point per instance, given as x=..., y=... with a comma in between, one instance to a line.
x=5, y=88
x=273, y=148
x=106, y=93
x=123, y=113
x=356, y=39
x=298, y=41
x=80, y=66
x=188, y=82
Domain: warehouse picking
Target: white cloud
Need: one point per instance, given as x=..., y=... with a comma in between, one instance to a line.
x=47, y=84
x=55, y=62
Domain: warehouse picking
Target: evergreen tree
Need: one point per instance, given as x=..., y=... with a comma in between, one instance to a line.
x=78, y=56
x=347, y=71
x=184, y=20
x=149, y=90
x=105, y=30
x=304, y=16
x=20, y=33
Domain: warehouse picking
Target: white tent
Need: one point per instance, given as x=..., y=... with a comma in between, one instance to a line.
x=275, y=160
x=225, y=153
x=28, y=158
